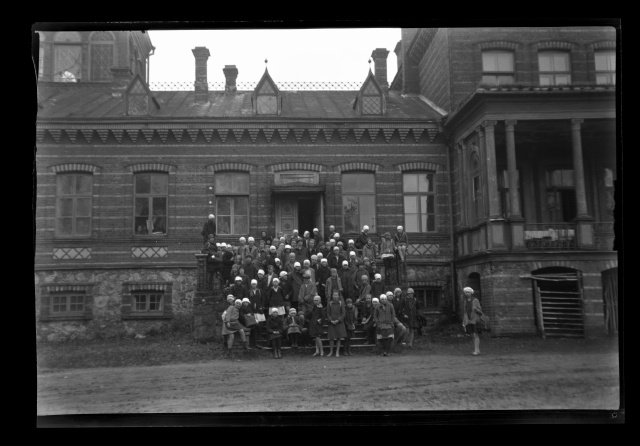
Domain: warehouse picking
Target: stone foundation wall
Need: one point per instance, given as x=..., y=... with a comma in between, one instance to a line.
x=106, y=320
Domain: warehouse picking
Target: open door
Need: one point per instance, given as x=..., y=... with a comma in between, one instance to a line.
x=286, y=215
x=318, y=216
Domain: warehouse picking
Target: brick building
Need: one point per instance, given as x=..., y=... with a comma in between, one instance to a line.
x=126, y=175
x=534, y=107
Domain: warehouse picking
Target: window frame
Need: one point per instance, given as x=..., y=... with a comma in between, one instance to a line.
x=150, y=198
x=49, y=291
x=260, y=94
x=67, y=311
x=609, y=73
x=498, y=73
x=424, y=293
x=430, y=194
x=74, y=197
x=367, y=95
x=147, y=294
x=231, y=195
x=132, y=289
x=92, y=46
x=73, y=40
x=477, y=196
x=359, y=194
x=560, y=209
x=553, y=73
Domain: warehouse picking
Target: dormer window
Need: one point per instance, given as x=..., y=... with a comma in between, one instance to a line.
x=67, y=57
x=371, y=99
x=266, y=97
x=101, y=50
x=138, y=97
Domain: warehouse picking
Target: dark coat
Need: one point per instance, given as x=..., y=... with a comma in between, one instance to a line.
x=257, y=302
x=208, y=228
x=275, y=298
x=361, y=240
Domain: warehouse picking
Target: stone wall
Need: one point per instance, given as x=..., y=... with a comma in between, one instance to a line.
x=106, y=320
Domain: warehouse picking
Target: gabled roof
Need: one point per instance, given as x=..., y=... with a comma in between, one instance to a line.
x=93, y=102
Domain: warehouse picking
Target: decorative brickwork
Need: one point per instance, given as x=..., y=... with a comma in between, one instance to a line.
x=230, y=166
x=149, y=252
x=357, y=166
x=147, y=167
x=74, y=167
x=604, y=45
x=553, y=45
x=420, y=166
x=71, y=253
x=498, y=45
x=296, y=166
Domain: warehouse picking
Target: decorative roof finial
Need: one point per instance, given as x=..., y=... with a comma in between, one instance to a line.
x=369, y=61
x=265, y=61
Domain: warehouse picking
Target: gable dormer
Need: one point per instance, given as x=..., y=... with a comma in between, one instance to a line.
x=266, y=98
x=371, y=99
x=138, y=98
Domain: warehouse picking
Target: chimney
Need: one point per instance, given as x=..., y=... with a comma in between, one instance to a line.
x=379, y=56
x=121, y=79
x=201, y=54
x=230, y=74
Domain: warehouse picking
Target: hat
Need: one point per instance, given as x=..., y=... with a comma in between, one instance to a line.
x=377, y=276
x=410, y=291
x=254, y=281
x=223, y=245
x=293, y=310
x=365, y=228
x=295, y=231
x=388, y=293
x=283, y=273
x=336, y=235
x=230, y=296
x=242, y=239
x=336, y=247
x=261, y=271
x=344, y=262
x=275, y=281
x=212, y=216
x=217, y=244
x=317, y=297
x=323, y=260
x=467, y=288
x=315, y=230
x=383, y=296
x=314, y=257
x=306, y=232
x=340, y=243
x=306, y=276
x=375, y=300
x=246, y=300
x=237, y=278
x=237, y=301
x=319, y=255
x=251, y=239
x=296, y=264
x=306, y=263
x=396, y=290
x=287, y=246
x=351, y=241
x=277, y=260
x=400, y=228
x=352, y=253
x=272, y=248
x=274, y=310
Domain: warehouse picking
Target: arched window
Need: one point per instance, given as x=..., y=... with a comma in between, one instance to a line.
x=67, y=57
x=419, y=201
x=74, y=193
x=498, y=68
x=232, y=203
x=101, y=55
x=151, y=203
x=554, y=67
x=358, y=201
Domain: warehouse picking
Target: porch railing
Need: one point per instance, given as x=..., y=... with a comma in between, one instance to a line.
x=550, y=236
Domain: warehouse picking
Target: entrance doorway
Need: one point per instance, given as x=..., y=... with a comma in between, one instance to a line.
x=303, y=213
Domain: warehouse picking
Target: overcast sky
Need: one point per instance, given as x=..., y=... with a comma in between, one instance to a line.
x=293, y=55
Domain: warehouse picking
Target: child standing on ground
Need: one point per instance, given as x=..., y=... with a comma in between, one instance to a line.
x=350, y=318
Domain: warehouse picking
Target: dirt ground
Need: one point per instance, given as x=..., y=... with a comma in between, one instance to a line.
x=509, y=374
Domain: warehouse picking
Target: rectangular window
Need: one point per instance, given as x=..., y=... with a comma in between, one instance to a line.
x=478, y=211
x=358, y=201
x=419, y=202
x=147, y=302
x=232, y=203
x=151, y=198
x=73, y=207
x=605, y=67
x=67, y=304
x=497, y=68
x=555, y=68
x=428, y=297
x=101, y=61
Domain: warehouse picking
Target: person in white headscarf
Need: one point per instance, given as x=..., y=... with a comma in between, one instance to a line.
x=383, y=316
x=401, y=240
x=209, y=227
x=232, y=325
x=472, y=312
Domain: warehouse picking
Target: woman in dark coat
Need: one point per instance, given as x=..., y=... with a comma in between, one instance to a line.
x=274, y=333
x=316, y=319
x=275, y=298
x=227, y=262
x=335, y=316
x=292, y=327
x=383, y=317
x=410, y=315
x=350, y=319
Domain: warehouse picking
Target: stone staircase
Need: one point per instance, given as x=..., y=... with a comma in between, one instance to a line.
x=357, y=341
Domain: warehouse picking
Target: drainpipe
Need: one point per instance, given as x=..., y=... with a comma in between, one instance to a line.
x=454, y=297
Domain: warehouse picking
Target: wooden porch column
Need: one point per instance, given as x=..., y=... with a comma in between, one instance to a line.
x=515, y=216
x=584, y=222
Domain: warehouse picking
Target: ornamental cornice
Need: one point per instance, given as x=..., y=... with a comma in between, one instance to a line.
x=237, y=133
